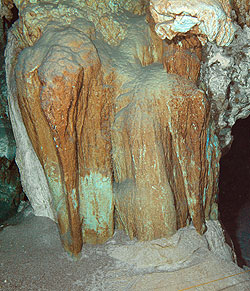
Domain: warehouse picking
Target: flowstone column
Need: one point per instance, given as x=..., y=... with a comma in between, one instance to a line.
x=54, y=96
x=114, y=114
x=163, y=158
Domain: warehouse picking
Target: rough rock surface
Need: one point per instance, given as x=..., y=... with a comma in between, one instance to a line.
x=32, y=177
x=242, y=9
x=157, y=163
x=182, y=56
x=5, y=9
x=210, y=20
x=226, y=80
x=109, y=126
x=104, y=18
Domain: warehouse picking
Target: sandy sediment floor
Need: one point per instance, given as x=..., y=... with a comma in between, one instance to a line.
x=31, y=258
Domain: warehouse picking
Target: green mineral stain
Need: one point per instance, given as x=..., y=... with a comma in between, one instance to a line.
x=214, y=211
x=114, y=5
x=96, y=201
x=191, y=201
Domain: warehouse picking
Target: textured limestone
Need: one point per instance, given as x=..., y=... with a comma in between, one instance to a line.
x=112, y=130
x=225, y=77
x=155, y=160
x=242, y=9
x=209, y=19
x=182, y=56
x=65, y=136
x=8, y=14
x=105, y=16
x=5, y=9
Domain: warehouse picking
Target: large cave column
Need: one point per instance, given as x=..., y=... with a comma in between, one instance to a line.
x=143, y=198
x=54, y=79
x=160, y=139
x=184, y=27
x=190, y=127
x=95, y=115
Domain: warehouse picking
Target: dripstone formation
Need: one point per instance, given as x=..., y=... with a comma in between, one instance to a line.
x=107, y=113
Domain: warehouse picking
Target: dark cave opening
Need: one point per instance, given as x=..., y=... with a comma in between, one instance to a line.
x=234, y=187
x=11, y=193
x=7, y=22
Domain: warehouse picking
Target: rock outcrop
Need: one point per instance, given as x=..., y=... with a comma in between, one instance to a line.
x=120, y=133
x=226, y=80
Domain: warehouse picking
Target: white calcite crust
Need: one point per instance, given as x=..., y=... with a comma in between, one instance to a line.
x=208, y=19
x=33, y=180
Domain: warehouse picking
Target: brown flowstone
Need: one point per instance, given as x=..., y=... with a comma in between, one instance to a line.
x=53, y=96
x=182, y=56
x=121, y=131
x=159, y=152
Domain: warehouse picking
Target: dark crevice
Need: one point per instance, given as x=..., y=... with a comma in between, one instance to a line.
x=8, y=21
x=11, y=193
x=234, y=185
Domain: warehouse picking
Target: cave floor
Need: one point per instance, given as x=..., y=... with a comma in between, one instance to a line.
x=32, y=258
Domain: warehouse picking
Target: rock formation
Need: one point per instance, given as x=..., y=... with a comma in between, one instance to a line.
x=226, y=80
x=120, y=133
x=10, y=186
x=242, y=9
x=210, y=20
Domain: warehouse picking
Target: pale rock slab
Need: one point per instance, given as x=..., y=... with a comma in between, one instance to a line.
x=186, y=260
x=175, y=253
x=32, y=176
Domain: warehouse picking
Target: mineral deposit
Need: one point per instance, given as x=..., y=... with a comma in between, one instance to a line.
x=120, y=133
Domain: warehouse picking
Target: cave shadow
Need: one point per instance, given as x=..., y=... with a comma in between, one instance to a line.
x=7, y=23
x=11, y=170
x=234, y=188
